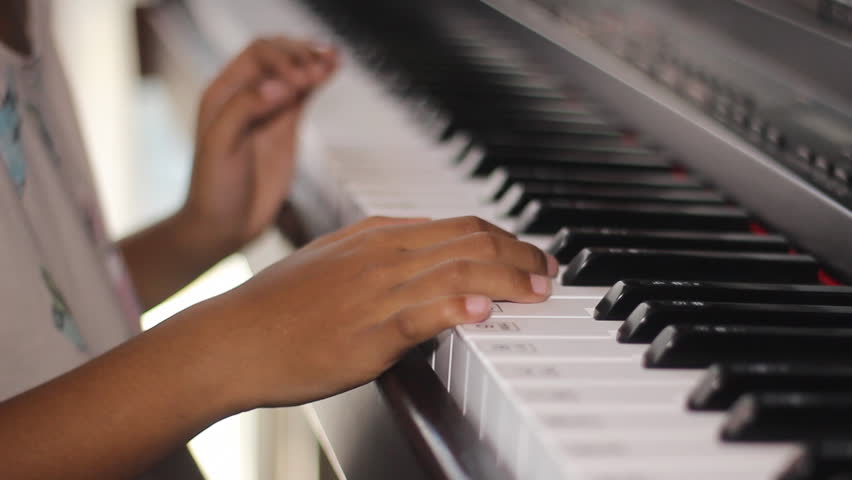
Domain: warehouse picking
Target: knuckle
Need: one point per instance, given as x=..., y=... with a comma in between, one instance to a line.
x=451, y=311
x=486, y=244
x=408, y=327
x=519, y=280
x=536, y=254
x=473, y=224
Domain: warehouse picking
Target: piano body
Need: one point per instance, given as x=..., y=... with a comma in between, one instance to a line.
x=689, y=162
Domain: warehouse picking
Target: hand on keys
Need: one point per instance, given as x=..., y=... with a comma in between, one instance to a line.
x=337, y=313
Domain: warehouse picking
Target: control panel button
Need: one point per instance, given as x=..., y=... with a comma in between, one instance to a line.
x=756, y=127
x=822, y=163
x=804, y=153
x=775, y=137
x=739, y=114
x=841, y=174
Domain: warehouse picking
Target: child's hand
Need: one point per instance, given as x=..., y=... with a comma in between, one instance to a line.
x=341, y=311
x=246, y=138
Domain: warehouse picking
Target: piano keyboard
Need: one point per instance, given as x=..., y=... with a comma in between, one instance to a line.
x=683, y=339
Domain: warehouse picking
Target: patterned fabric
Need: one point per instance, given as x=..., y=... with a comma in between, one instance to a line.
x=65, y=295
x=10, y=135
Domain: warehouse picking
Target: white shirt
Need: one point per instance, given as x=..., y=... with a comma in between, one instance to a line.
x=65, y=296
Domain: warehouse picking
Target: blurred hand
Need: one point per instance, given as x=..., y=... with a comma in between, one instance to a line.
x=246, y=138
x=339, y=312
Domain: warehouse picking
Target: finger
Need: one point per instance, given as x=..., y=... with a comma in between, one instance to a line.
x=362, y=226
x=484, y=246
x=240, y=112
x=423, y=235
x=312, y=61
x=244, y=70
x=471, y=277
x=417, y=323
x=326, y=62
x=261, y=60
x=274, y=147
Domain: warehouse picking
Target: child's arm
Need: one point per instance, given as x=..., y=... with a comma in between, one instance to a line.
x=330, y=317
x=244, y=160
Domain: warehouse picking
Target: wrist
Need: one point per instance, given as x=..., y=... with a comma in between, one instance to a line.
x=202, y=239
x=213, y=368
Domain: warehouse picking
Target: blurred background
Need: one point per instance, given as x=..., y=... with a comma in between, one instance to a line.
x=141, y=154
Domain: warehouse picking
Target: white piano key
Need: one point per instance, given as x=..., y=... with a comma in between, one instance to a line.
x=475, y=393
x=407, y=188
x=564, y=393
x=509, y=426
x=485, y=212
x=711, y=468
x=541, y=241
x=587, y=371
x=509, y=199
x=470, y=161
x=593, y=348
x=422, y=201
x=443, y=355
x=459, y=361
x=619, y=472
x=492, y=399
x=555, y=308
x=695, y=449
x=588, y=418
x=592, y=295
x=498, y=326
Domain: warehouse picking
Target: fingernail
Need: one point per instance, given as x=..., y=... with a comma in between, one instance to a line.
x=477, y=306
x=552, y=265
x=322, y=47
x=541, y=285
x=272, y=90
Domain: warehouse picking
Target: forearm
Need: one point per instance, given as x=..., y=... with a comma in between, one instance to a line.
x=165, y=257
x=119, y=414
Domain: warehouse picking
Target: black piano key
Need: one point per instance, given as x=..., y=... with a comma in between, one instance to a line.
x=626, y=295
x=823, y=460
x=557, y=115
x=503, y=178
x=723, y=384
x=533, y=124
x=605, y=266
x=522, y=194
x=545, y=151
x=568, y=134
x=777, y=417
x=570, y=241
x=548, y=216
x=641, y=163
x=699, y=346
x=649, y=318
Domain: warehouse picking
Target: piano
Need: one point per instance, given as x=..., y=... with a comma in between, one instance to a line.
x=689, y=163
